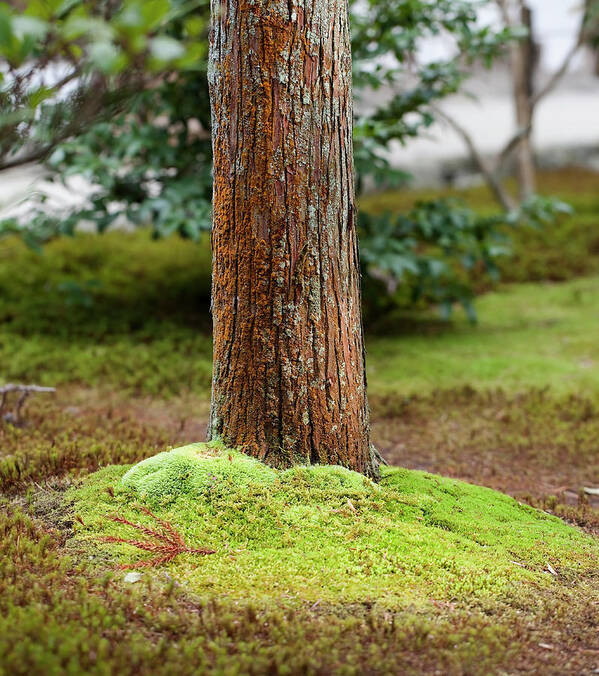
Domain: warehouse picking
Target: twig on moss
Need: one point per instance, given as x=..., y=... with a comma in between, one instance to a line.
x=166, y=543
x=24, y=391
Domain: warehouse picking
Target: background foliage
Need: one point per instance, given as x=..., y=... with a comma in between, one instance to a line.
x=131, y=115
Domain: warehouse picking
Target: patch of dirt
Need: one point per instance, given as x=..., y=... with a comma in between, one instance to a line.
x=79, y=430
x=538, y=448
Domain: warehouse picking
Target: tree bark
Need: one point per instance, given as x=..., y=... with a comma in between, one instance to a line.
x=289, y=384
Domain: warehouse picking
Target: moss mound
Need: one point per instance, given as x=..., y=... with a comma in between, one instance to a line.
x=194, y=470
x=328, y=534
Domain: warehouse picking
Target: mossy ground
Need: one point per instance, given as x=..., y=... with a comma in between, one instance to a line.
x=329, y=535
x=119, y=323
x=61, y=617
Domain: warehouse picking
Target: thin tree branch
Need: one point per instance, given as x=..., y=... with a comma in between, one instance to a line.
x=557, y=76
x=561, y=71
x=503, y=197
x=510, y=146
x=9, y=387
x=505, y=15
x=92, y=102
x=24, y=391
x=28, y=158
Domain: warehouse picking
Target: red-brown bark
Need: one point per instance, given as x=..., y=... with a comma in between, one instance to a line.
x=289, y=383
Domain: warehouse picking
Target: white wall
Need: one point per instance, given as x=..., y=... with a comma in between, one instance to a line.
x=556, y=25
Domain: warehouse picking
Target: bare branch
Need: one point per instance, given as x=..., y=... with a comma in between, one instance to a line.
x=5, y=389
x=557, y=76
x=490, y=176
x=25, y=391
x=505, y=15
x=34, y=156
x=92, y=102
x=510, y=146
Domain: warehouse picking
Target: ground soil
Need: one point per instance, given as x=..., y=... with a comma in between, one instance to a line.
x=536, y=447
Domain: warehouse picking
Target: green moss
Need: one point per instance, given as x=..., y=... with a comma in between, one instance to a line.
x=324, y=533
x=417, y=575
x=59, y=618
x=576, y=186
x=194, y=470
x=127, y=309
x=78, y=431
x=528, y=336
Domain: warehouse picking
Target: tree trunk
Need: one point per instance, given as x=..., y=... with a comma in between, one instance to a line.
x=523, y=62
x=589, y=31
x=289, y=384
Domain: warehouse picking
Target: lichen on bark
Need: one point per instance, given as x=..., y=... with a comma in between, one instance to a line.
x=289, y=382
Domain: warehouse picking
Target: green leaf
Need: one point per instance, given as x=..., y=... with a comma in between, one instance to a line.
x=38, y=95
x=6, y=29
x=195, y=26
x=194, y=56
x=154, y=12
x=65, y=7
x=78, y=25
x=57, y=156
x=131, y=16
x=42, y=9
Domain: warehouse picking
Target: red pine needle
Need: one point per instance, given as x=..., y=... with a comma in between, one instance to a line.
x=168, y=541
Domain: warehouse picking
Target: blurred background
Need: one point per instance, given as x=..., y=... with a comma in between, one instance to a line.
x=106, y=125
x=565, y=131
x=477, y=158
